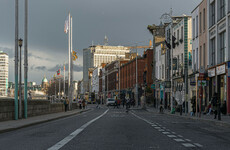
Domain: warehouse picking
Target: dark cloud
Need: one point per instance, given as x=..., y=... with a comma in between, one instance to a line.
x=38, y=68
x=76, y=68
x=41, y=68
x=7, y=50
x=38, y=57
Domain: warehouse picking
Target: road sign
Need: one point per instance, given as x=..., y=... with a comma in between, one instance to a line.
x=228, y=69
x=202, y=83
x=153, y=86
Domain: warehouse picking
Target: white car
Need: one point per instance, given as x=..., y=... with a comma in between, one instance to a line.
x=110, y=101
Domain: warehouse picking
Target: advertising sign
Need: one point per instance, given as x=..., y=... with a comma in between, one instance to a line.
x=211, y=72
x=228, y=69
x=220, y=70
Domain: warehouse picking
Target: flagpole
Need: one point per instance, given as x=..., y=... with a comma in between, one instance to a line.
x=71, y=58
x=64, y=80
x=69, y=61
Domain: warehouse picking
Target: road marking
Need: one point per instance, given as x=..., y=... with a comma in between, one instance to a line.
x=165, y=132
x=157, y=127
x=188, y=145
x=154, y=125
x=75, y=133
x=173, y=132
x=188, y=140
x=171, y=136
x=179, y=140
x=161, y=130
x=180, y=136
x=197, y=144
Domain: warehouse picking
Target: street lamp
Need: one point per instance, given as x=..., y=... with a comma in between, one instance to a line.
x=20, y=41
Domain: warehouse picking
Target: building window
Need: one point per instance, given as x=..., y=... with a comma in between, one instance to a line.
x=204, y=24
x=178, y=35
x=182, y=32
x=200, y=56
x=222, y=8
x=200, y=23
x=193, y=28
x=204, y=55
x=222, y=47
x=197, y=58
x=213, y=47
x=196, y=26
x=212, y=14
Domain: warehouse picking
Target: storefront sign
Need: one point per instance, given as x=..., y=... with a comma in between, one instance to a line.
x=167, y=84
x=193, y=81
x=202, y=83
x=211, y=72
x=228, y=69
x=220, y=70
x=153, y=86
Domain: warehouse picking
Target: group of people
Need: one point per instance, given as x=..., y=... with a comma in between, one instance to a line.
x=214, y=107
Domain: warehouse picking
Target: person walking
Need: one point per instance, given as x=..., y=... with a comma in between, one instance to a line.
x=83, y=103
x=66, y=103
x=214, y=104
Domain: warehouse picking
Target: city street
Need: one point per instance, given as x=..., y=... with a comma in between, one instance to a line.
x=116, y=129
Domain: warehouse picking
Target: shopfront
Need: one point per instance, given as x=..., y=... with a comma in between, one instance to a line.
x=212, y=82
x=222, y=83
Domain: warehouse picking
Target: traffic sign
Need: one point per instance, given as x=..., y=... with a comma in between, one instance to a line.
x=202, y=83
x=153, y=86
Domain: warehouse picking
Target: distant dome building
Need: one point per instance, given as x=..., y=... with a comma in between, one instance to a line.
x=44, y=83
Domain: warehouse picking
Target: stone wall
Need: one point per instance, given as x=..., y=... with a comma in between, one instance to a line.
x=34, y=108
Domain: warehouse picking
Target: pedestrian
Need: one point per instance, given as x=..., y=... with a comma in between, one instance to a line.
x=214, y=104
x=98, y=103
x=83, y=103
x=66, y=104
x=123, y=102
x=80, y=103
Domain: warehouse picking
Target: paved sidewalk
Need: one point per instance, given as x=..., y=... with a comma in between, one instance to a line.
x=225, y=119
x=21, y=123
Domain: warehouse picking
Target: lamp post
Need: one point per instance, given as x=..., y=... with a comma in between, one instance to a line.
x=20, y=78
x=16, y=63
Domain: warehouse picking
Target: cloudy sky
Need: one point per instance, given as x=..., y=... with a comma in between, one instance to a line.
x=123, y=21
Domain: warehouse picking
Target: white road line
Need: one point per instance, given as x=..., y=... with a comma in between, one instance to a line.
x=180, y=136
x=197, y=144
x=171, y=136
x=161, y=130
x=173, y=132
x=157, y=127
x=179, y=140
x=188, y=140
x=165, y=132
x=154, y=125
x=188, y=145
x=75, y=133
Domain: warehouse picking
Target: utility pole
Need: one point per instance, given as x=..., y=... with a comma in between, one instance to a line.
x=119, y=78
x=20, y=78
x=136, y=80
x=64, y=80
x=59, y=95
x=16, y=63
x=25, y=59
x=171, y=65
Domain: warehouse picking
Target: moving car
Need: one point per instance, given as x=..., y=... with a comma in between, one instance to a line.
x=110, y=101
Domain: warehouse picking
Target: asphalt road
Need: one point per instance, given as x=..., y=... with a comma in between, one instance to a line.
x=108, y=129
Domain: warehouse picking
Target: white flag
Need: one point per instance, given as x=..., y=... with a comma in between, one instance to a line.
x=66, y=26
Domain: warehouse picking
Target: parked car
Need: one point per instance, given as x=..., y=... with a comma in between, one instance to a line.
x=110, y=101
